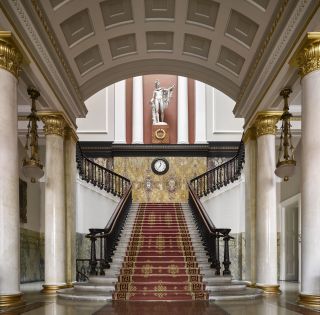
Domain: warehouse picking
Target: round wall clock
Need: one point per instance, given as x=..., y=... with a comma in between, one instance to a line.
x=160, y=166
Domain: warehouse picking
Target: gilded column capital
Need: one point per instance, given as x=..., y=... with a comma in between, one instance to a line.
x=250, y=134
x=307, y=55
x=265, y=123
x=54, y=124
x=10, y=57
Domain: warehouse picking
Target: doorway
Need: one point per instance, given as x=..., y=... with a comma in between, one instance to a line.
x=290, y=246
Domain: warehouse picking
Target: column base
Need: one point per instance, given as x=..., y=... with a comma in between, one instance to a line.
x=269, y=289
x=11, y=300
x=53, y=288
x=309, y=300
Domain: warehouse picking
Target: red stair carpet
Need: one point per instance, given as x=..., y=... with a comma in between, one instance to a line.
x=160, y=264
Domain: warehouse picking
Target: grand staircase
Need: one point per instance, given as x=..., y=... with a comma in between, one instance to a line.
x=160, y=257
x=159, y=251
x=160, y=262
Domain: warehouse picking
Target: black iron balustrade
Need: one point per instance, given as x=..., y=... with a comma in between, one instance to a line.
x=103, y=241
x=100, y=176
x=210, y=235
x=219, y=176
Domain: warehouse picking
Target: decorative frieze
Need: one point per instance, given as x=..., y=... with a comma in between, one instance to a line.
x=10, y=57
x=54, y=124
x=307, y=56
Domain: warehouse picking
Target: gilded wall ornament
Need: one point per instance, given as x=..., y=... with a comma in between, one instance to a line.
x=10, y=57
x=54, y=124
x=250, y=134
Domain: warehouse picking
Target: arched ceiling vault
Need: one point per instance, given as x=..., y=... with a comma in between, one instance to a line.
x=95, y=43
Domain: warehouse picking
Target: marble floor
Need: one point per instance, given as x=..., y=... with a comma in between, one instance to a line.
x=39, y=304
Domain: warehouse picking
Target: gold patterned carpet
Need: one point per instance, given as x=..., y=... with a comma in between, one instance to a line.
x=160, y=264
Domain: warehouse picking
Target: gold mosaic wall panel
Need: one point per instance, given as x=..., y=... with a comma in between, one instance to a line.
x=170, y=187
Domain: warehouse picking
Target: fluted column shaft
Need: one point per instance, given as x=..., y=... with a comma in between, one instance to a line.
x=307, y=58
x=10, y=61
x=70, y=186
x=266, y=204
x=183, y=129
x=120, y=112
x=137, y=112
x=55, y=207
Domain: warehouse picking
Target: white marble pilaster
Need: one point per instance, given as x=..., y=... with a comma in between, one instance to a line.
x=183, y=129
x=55, y=207
x=200, y=113
x=250, y=169
x=9, y=183
x=120, y=112
x=137, y=111
x=70, y=185
x=266, y=204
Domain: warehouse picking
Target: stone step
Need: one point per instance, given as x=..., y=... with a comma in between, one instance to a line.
x=88, y=286
x=72, y=294
x=102, y=280
x=248, y=293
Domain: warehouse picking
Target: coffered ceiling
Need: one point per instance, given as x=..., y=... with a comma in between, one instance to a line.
x=99, y=42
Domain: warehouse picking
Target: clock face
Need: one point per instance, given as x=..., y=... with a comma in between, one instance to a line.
x=160, y=166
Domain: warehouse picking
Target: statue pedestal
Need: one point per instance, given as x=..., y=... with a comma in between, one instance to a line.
x=160, y=133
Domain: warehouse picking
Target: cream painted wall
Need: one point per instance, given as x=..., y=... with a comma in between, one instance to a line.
x=226, y=207
x=99, y=123
x=94, y=207
x=221, y=123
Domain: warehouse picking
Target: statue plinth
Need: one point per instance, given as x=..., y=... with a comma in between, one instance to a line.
x=160, y=133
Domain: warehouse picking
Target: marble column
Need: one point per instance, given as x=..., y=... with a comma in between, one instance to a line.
x=137, y=112
x=200, y=113
x=70, y=190
x=250, y=169
x=266, y=203
x=307, y=58
x=183, y=129
x=120, y=112
x=10, y=60
x=55, y=207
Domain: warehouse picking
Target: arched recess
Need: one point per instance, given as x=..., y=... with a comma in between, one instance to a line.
x=161, y=66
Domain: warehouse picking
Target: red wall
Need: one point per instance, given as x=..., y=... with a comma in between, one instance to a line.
x=170, y=115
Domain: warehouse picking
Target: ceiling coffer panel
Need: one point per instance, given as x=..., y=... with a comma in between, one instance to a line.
x=230, y=60
x=116, y=12
x=77, y=27
x=203, y=12
x=89, y=60
x=58, y=3
x=159, y=41
x=196, y=46
x=262, y=4
x=159, y=9
x=123, y=45
x=241, y=28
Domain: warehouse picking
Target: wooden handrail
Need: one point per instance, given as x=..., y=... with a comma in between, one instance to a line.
x=210, y=235
x=106, y=238
x=100, y=176
x=219, y=176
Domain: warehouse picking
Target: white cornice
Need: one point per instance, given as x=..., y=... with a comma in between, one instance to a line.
x=250, y=99
x=72, y=106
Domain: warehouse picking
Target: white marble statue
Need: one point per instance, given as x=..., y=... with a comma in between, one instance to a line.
x=160, y=101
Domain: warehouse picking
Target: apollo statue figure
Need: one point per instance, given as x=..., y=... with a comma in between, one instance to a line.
x=160, y=101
